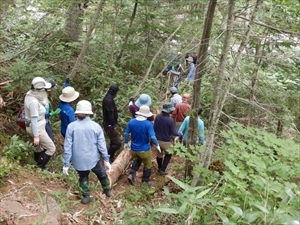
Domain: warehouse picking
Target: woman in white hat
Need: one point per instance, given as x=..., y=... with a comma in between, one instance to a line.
x=67, y=114
x=34, y=103
x=83, y=144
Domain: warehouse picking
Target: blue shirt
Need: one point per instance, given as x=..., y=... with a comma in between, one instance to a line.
x=67, y=115
x=185, y=129
x=84, y=139
x=141, y=132
x=164, y=126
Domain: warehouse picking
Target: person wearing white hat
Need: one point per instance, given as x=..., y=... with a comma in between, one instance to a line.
x=67, y=112
x=34, y=103
x=141, y=131
x=84, y=141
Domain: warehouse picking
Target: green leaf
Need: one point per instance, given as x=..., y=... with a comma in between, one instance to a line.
x=262, y=208
x=237, y=210
x=202, y=193
x=222, y=216
x=167, y=210
x=252, y=216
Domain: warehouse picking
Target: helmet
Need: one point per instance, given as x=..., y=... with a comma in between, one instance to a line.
x=186, y=96
x=40, y=83
x=173, y=90
x=53, y=84
x=84, y=107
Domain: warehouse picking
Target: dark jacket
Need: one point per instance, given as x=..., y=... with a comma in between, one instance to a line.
x=110, y=112
x=164, y=126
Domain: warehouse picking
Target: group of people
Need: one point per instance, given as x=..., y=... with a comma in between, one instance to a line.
x=174, y=66
x=84, y=139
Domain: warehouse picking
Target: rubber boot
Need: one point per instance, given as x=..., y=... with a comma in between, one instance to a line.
x=43, y=160
x=84, y=188
x=135, y=167
x=37, y=156
x=106, y=186
x=146, y=177
x=159, y=163
x=165, y=164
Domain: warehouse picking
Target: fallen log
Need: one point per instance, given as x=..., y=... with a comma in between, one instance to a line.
x=118, y=166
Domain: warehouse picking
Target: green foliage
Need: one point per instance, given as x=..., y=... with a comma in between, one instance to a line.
x=18, y=150
x=261, y=171
x=5, y=168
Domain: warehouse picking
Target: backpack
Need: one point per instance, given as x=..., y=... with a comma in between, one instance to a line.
x=21, y=119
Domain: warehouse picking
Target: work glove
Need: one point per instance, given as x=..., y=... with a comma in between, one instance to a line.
x=158, y=148
x=176, y=138
x=131, y=101
x=54, y=113
x=108, y=166
x=65, y=170
x=126, y=146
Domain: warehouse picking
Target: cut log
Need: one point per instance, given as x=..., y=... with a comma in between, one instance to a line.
x=118, y=166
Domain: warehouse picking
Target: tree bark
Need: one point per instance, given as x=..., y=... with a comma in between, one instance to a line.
x=73, y=26
x=127, y=35
x=87, y=39
x=200, y=71
x=118, y=166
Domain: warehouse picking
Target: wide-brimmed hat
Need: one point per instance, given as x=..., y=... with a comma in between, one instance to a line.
x=40, y=83
x=69, y=94
x=190, y=59
x=144, y=99
x=84, y=107
x=168, y=107
x=144, y=111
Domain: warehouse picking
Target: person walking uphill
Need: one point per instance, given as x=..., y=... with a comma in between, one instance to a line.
x=164, y=127
x=110, y=120
x=176, y=98
x=83, y=142
x=141, y=131
x=67, y=112
x=34, y=103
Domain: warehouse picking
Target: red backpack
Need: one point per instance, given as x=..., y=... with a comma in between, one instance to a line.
x=21, y=119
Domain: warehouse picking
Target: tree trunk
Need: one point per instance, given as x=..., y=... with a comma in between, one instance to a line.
x=254, y=81
x=127, y=35
x=118, y=166
x=87, y=39
x=220, y=91
x=73, y=27
x=200, y=70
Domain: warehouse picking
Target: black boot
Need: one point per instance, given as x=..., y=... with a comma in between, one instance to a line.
x=37, y=156
x=135, y=167
x=106, y=186
x=165, y=164
x=146, y=177
x=43, y=160
x=84, y=188
x=159, y=162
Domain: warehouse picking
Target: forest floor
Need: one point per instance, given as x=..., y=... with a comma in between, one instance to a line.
x=100, y=210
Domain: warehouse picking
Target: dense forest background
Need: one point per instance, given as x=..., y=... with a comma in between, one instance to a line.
x=247, y=81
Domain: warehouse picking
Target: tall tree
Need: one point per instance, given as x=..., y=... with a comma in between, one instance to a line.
x=87, y=39
x=221, y=91
x=200, y=71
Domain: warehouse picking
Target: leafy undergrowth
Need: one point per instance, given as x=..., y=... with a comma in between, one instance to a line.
x=254, y=179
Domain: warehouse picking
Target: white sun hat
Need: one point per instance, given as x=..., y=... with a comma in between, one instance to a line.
x=84, y=107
